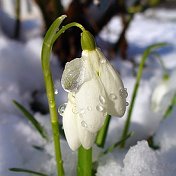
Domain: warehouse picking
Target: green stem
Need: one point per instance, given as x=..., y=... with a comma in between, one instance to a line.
x=50, y=37
x=139, y=75
x=165, y=72
x=101, y=137
x=113, y=146
x=170, y=107
x=64, y=28
x=84, y=167
x=46, y=50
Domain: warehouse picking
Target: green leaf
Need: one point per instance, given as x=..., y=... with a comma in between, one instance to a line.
x=27, y=171
x=112, y=147
x=32, y=119
x=152, y=144
x=39, y=148
x=146, y=53
x=49, y=37
x=170, y=107
x=101, y=137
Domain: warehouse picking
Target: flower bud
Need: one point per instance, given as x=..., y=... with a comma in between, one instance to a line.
x=87, y=41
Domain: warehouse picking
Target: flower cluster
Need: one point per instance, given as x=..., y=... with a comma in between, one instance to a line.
x=94, y=90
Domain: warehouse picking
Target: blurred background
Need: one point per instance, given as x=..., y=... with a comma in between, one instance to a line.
x=123, y=30
x=25, y=19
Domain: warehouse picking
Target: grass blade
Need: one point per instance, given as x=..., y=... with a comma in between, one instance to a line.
x=112, y=147
x=32, y=119
x=26, y=171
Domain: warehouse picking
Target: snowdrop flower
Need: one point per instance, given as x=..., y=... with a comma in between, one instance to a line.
x=163, y=94
x=94, y=90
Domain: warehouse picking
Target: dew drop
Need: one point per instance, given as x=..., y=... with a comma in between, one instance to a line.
x=123, y=93
x=51, y=103
x=89, y=108
x=56, y=87
x=121, y=110
x=127, y=103
x=74, y=110
x=74, y=75
x=55, y=91
x=102, y=99
x=84, y=124
x=99, y=108
x=61, y=109
x=112, y=96
x=82, y=111
x=102, y=61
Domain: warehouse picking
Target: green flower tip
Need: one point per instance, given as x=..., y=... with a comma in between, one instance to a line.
x=87, y=41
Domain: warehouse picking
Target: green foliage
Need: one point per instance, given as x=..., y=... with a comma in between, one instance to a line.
x=146, y=53
x=32, y=119
x=27, y=171
x=101, y=137
x=170, y=108
x=112, y=147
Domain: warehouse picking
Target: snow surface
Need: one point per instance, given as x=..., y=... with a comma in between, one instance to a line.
x=140, y=160
x=30, y=15
x=21, y=75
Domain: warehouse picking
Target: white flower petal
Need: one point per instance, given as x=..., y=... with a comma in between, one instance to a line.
x=74, y=75
x=93, y=59
x=87, y=138
x=162, y=96
x=70, y=127
x=90, y=108
x=114, y=87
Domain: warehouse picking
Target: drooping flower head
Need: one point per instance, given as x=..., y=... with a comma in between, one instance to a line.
x=94, y=90
x=163, y=93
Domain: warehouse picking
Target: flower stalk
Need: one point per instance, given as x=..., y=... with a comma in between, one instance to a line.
x=101, y=137
x=84, y=167
x=134, y=94
x=52, y=34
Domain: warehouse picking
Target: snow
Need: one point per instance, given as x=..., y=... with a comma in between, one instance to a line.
x=166, y=132
x=140, y=160
x=21, y=75
x=31, y=19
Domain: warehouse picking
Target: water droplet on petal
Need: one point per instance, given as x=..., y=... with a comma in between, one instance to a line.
x=127, y=103
x=89, y=108
x=123, y=93
x=121, y=110
x=112, y=96
x=61, y=109
x=102, y=61
x=84, y=124
x=99, y=108
x=102, y=99
x=82, y=111
x=74, y=75
x=74, y=110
